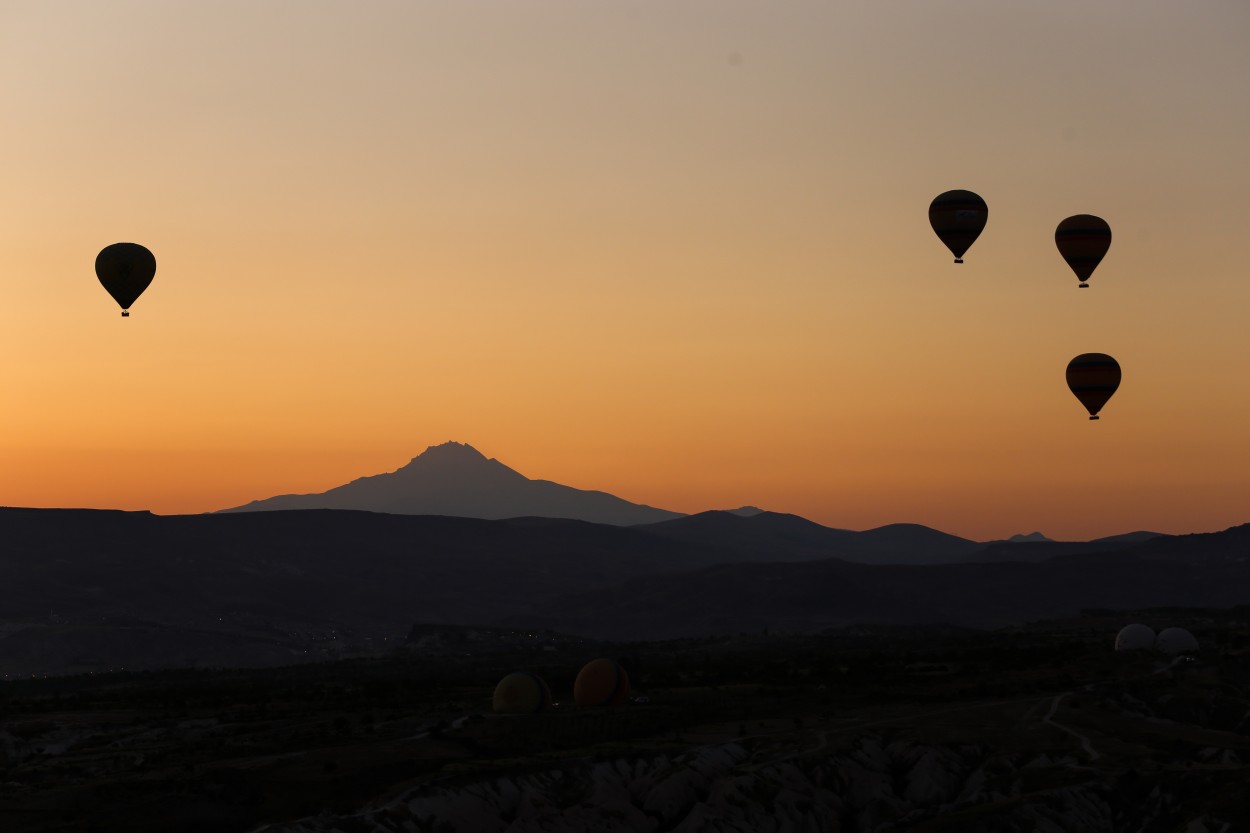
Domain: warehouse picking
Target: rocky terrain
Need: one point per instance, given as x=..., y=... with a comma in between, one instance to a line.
x=879, y=729
x=876, y=785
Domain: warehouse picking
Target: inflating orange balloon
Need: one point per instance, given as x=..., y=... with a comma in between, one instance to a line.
x=601, y=682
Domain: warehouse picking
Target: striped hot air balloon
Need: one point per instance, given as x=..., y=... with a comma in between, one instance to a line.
x=1083, y=240
x=958, y=217
x=1093, y=378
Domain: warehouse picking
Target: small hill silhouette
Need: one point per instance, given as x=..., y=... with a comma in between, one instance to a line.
x=456, y=479
x=1031, y=538
x=746, y=511
x=774, y=536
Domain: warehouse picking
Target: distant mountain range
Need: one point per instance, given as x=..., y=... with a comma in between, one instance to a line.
x=456, y=480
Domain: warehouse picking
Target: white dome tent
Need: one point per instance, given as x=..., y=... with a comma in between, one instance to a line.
x=1135, y=637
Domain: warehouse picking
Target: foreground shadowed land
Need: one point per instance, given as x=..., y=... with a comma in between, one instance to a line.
x=1033, y=728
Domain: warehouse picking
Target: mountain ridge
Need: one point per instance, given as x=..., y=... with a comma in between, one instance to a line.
x=454, y=479
x=778, y=536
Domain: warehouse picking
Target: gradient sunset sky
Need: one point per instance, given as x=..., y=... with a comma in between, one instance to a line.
x=676, y=250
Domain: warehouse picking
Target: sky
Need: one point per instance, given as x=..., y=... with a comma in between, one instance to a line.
x=677, y=250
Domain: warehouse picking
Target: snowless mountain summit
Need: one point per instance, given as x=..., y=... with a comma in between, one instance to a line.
x=456, y=479
x=1030, y=538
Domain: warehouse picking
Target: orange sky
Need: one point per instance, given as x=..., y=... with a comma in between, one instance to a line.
x=674, y=251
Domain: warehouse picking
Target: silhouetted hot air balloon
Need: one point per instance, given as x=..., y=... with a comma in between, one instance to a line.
x=1083, y=240
x=958, y=217
x=125, y=270
x=1093, y=377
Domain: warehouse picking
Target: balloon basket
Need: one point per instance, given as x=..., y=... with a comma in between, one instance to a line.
x=1083, y=286
x=125, y=313
x=1093, y=418
x=959, y=260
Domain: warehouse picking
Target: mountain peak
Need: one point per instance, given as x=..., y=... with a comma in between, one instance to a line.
x=746, y=511
x=458, y=480
x=450, y=450
x=1027, y=539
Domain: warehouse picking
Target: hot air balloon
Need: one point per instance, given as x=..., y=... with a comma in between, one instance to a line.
x=958, y=218
x=521, y=693
x=601, y=682
x=125, y=270
x=1092, y=378
x=1083, y=240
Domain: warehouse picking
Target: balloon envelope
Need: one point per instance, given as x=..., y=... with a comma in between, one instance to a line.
x=1083, y=240
x=1136, y=637
x=601, y=682
x=125, y=270
x=521, y=693
x=1092, y=378
x=958, y=217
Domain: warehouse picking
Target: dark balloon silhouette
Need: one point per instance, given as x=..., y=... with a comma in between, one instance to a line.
x=1083, y=240
x=1093, y=378
x=958, y=217
x=125, y=270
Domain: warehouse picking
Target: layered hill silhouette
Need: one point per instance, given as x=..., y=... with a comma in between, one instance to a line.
x=1205, y=570
x=774, y=536
x=85, y=590
x=457, y=480
x=1026, y=548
